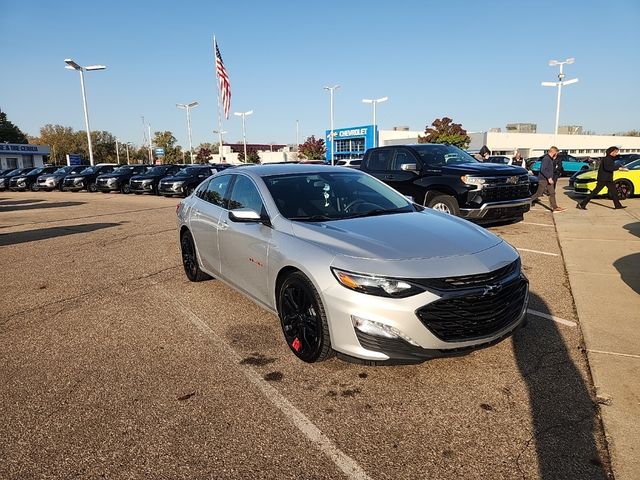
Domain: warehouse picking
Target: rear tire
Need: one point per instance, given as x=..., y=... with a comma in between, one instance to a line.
x=303, y=319
x=190, y=259
x=444, y=204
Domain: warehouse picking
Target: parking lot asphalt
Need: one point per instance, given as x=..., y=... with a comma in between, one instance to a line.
x=114, y=365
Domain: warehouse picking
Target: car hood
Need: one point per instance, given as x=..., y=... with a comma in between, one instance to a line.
x=178, y=178
x=77, y=175
x=147, y=177
x=483, y=169
x=52, y=175
x=404, y=236
x=592, y=175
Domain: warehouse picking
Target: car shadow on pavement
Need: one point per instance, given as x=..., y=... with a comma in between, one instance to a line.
x=34, y=206
x=629, y=266
x=15, y=238
x=567, y=432
x=5, y=202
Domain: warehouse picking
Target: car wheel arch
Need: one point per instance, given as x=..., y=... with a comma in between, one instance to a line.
x=431, y=194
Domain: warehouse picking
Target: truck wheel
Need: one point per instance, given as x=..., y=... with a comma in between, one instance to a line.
x=444, y=204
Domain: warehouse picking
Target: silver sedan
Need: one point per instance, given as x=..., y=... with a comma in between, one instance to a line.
x=350, y=266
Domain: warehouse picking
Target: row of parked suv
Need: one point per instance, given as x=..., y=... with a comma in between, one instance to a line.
x=165, y=180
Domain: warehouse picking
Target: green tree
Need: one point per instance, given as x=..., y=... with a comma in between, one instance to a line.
x=172, y=151
x=104, y=147
x=313, y=148
x=443, y=130
x=203, y=154
x=9, y=132
x=252, y=156
x=63, y=141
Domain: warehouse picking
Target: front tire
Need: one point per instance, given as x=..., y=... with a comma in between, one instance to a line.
x=92, y=188
x=444, y=204
x=34, y=187
x=303, y=319
x=624, y=189
x=190, y=259
x=126, y=188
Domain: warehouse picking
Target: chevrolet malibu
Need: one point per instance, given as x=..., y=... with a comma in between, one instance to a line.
x=350, y=266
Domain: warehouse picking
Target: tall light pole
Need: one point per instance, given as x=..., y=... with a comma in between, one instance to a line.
x=117, y=151
x=244, y=133
x=71, y=65
x=375, y=102
x=220, y=133
x=560, y=83
x=331, y=90
x=188, y=107
x=127, y=144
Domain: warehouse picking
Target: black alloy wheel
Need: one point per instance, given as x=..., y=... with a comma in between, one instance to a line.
x=190, y=259
x=303, y=319
x=92, y=187
x=35, y=187
x=126, y=188
x=624, y=189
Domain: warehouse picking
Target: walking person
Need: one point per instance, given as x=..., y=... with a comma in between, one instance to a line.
x=546, y=180
x=483, y=154
x=605, y=179
x=518, y=161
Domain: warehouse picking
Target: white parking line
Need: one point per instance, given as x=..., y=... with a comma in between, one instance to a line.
x=536, y=251
x=538, y=224
x=614, y=353
x=344, y=462
x=569, y=323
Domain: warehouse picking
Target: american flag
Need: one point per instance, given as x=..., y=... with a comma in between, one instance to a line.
x=223, y=83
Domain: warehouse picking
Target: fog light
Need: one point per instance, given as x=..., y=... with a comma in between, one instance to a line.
x=378, y=329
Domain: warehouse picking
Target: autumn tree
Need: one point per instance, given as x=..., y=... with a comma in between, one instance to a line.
x=252, y=156
x=443, y=130
x=172, y=151
x=63, y=141
x=204, y=154
x=313, y=148
x=9, y=132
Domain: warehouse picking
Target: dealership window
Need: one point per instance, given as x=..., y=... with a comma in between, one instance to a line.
x=351, y=145
x=12, y=163
x=27, y=161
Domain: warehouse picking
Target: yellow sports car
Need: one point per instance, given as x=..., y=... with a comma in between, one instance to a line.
x=627, y=182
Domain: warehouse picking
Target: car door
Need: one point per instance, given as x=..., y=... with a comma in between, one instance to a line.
x=204, y=215
x=244, y=245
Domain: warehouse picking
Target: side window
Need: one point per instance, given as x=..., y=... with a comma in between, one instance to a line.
x=380, y=159
x=245, y=195
x=401, y=157
x=201, y=190
x=216, y=189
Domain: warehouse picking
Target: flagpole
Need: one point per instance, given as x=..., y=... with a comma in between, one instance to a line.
x=215, y=59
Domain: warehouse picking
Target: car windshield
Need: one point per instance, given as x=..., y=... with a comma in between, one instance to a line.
x=36, y=171
x=88, y=170
x=19, y=171
x=317, y=197
x=64, y=170
x=440, y=155
x=193, y=171
x=124, y=169
x=158, y=170
x=635, y=165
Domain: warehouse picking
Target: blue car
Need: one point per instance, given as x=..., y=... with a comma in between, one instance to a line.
x=570, y=164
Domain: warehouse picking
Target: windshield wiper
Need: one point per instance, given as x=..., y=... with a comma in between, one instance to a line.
x=312, y=218
x=379, y=211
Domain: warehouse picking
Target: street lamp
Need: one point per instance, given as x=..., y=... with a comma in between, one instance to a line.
x=331, y=90
x=560, y=83
x=117, y=151
x=127, y=144
x=220, y=133
x=71, y=65
x=188, y=107
x=244, y=133
x=375, y=102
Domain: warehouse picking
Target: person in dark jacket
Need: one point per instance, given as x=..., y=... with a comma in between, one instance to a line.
x=483, y=154
x=605, y=179
x=547, y=179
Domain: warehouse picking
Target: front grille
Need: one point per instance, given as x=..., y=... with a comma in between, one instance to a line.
x=476, y=280
x=481, y=313
x=499, y=193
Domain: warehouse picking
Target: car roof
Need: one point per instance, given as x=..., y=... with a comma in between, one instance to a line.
x=268, y=170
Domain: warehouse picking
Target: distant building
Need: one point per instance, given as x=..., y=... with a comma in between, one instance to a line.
x=570, y=129
x=19, y=155
x=522, y=127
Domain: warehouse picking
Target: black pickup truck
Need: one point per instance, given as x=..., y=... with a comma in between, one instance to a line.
x=447, y=179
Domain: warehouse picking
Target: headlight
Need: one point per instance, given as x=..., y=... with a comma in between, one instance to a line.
x=468, y=180
x=177, y=184
x=373, y=285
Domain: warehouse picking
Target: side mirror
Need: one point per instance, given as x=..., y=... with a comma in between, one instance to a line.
x=409, y=167
x=246, y=215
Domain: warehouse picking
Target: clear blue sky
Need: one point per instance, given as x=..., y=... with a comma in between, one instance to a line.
x=480, y=63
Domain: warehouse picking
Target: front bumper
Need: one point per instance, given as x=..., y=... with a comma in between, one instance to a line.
x=141, y=188
x=171, y=189
x=108, y=187
x=48, y=184
x=497, y=210
x=74, y=187
x=407, y=315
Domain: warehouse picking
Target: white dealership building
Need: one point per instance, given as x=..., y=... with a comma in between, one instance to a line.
x=20, y=155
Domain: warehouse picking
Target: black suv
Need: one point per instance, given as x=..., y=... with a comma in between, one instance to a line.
x=27, y=180
x=51, y=181
x=149, y=181
x=6, y=176
x=119, y=178
x=87, y=177
x=450, y=180
x=187, y=179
